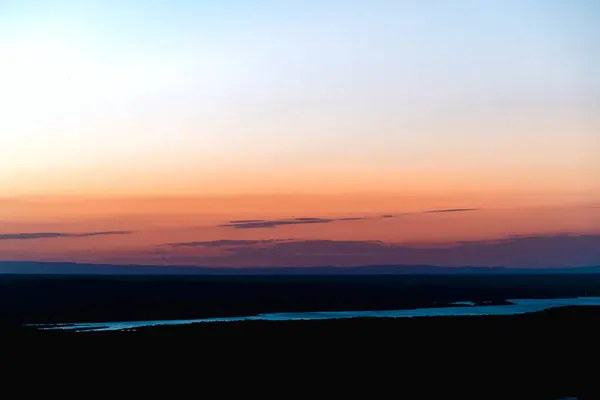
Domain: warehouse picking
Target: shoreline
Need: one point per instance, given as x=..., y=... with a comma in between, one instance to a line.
x=455, y=309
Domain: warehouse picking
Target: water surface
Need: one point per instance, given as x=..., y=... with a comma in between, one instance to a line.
x=516, y=306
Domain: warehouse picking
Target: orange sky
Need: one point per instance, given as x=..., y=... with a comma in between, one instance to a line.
x=127, y=127
x=151, y=225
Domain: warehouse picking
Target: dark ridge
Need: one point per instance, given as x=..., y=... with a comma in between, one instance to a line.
x=34, y=267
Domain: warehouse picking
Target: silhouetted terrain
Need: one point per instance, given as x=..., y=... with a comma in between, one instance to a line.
x=45, y=268
x=546, y=355
x=56, y=298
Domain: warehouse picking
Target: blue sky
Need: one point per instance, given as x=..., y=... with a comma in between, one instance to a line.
x=265, y=84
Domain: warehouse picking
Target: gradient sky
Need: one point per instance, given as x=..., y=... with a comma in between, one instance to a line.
x=170, y=118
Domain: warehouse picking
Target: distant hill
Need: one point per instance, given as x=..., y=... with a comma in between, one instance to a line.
x=42, y=268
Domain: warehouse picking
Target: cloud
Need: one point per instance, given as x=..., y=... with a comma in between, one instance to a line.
x=258, y=223
x=519, y=251
x=532, y=251
x=317, y=247
x=225, y=242
x=451, y=210
x=47, y=235
x=261, y=223
x=278, y=222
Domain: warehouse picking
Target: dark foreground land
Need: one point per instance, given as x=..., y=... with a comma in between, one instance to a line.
x=59, y=298
x=548, y=355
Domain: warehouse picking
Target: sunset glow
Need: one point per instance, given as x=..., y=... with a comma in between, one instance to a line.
x=130, y=128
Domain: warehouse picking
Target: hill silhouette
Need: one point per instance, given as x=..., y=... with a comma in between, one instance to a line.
x=32, y=267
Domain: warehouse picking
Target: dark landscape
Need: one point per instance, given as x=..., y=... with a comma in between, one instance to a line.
x=542, y=355
x=28, y=299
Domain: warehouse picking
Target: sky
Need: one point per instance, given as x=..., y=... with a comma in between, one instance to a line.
x=127, y=126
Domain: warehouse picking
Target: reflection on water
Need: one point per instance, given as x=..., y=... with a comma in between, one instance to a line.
x=517, y=306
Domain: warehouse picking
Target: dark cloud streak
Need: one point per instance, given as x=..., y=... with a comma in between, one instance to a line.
x=48, y=235
x=276, y=223
x=244, y=221
x=451, y=210
x=260, y=223
x=257, y=223
x=225, y=242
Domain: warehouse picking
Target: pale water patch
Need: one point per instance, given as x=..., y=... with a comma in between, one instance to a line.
x=517, y=306
x=463, y=303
